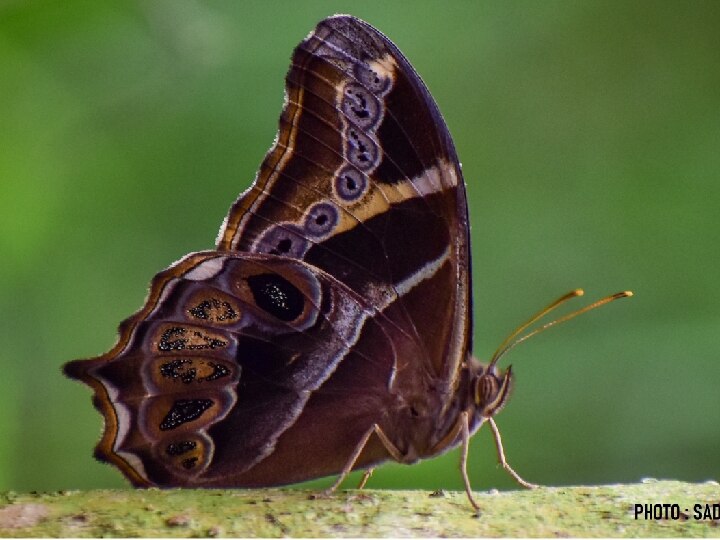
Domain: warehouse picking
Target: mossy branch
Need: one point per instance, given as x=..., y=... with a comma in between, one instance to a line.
x=565, y=511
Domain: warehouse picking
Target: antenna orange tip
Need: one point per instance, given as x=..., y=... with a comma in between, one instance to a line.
x=627, y=293
x=578, y=292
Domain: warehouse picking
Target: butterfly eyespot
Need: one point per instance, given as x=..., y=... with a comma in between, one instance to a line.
x=277, y=296
x=360, y=106
x=350, y=184
x=183, y=411
x=371, y=79
x=179, y=338
x=361, y=150
x=321, y=219
x=214, y=310
x=285, y=239
x=188, y=371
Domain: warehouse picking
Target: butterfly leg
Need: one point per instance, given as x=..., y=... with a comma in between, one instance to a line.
x=366, y=476
x=503, y=461
x=465, y=431
x=387, y=443
x=460, y=428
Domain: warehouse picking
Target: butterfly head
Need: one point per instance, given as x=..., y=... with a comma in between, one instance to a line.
x=491, y=389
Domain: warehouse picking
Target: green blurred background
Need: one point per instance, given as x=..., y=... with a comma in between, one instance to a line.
x=590, y=138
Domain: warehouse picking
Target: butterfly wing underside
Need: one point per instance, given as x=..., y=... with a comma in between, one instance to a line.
x=339, y=286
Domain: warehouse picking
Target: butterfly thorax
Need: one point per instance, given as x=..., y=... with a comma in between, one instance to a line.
x=481, y=392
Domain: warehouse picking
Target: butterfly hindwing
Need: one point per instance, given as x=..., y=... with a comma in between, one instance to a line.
x=210, y=378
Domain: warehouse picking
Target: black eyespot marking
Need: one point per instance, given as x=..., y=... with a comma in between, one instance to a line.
x=321, y=219
x=285, y=239
x=179, y=369
x=179, y=448
x=185, y=339
x=183, y=370
x=183, y=411
x=219, y=371
x=360, y=106
x=277, y=296
x=213, y=309
x=350, y=184
x=189, y=463
x=168, y=344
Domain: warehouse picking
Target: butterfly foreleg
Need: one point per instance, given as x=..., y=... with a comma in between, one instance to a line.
x=393, y=450
x=464, y=427
x=503, y=461
x=461, y=428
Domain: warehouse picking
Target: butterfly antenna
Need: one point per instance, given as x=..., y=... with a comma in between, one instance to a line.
x=539, y=315
x=509, y=344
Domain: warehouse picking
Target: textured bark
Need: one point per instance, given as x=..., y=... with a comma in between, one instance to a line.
x=564, y=511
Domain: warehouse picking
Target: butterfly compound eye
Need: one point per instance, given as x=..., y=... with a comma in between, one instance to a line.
x=492, y=391
x=277, y=296
x=486, y=388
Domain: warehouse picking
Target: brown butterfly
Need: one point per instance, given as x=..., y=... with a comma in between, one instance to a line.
x=330, y=329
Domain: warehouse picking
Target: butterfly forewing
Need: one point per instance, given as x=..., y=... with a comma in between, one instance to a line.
x=364, y=182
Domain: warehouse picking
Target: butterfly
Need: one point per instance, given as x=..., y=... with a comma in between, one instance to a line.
x=330, y=328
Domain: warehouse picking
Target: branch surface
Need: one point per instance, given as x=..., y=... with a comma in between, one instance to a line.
x=588, y=511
